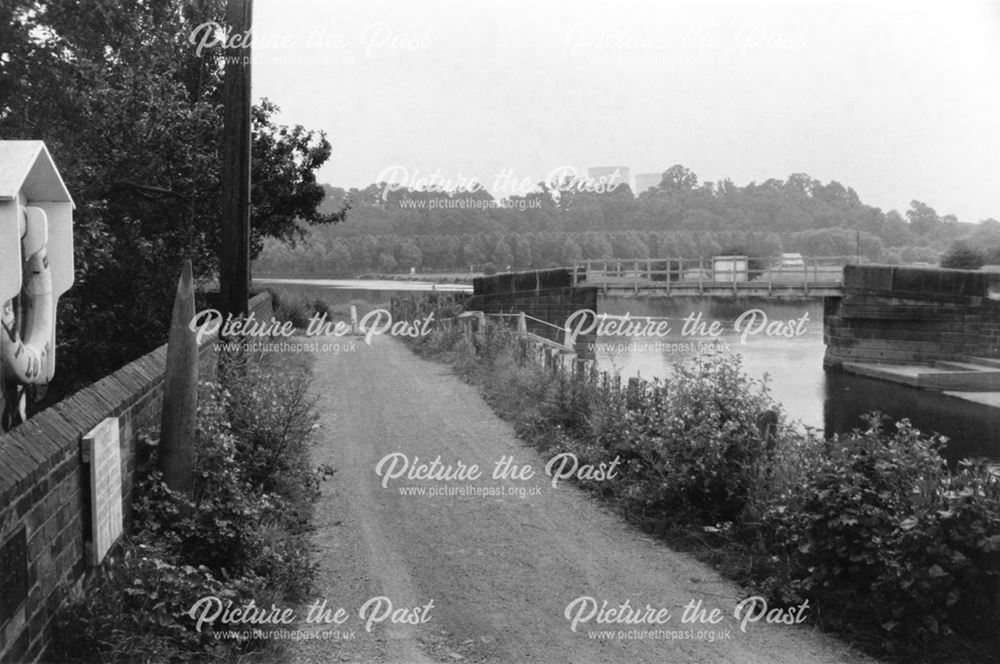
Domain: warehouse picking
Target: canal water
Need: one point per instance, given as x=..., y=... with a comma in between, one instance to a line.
x=830, y=402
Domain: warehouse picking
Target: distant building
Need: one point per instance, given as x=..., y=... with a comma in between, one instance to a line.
x=645, y=181
x=609, y=176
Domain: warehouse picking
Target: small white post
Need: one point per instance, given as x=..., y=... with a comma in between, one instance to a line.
x=567, y=338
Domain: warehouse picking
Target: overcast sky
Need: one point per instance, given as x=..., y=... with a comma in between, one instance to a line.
x=900, y=100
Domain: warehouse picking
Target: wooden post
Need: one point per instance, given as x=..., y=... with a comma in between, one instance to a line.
x=567, y=338
x=180, y=391
x=234, y=269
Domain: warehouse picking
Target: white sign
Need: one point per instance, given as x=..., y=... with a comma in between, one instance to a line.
x=100, y=450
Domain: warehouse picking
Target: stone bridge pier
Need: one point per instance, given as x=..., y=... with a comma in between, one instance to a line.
x=547, y=298
x=927, y=327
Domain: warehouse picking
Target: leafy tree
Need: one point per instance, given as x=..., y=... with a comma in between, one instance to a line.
x=570, y=252
x=409, y=255
x=338, y=259
x=678, y=178
x=386, y=262
x=475, y=251
x=522, y=252
x=132, y=115
x=922, y=217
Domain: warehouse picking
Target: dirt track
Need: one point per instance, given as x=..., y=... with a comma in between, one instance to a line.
x=500, y=570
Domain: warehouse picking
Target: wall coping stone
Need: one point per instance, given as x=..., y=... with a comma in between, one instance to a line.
x=919, y=282
x=29, y=450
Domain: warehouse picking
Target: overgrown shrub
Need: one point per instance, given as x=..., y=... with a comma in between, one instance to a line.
x=872, y=528
x=878, y=524
x=136, y=612
x=690, y=446
x=962, y=255
x=297, y=309
x=242, y=534
x=272, y=420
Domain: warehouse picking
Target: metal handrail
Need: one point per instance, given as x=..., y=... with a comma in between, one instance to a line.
x=539, y=320
x=531, y=335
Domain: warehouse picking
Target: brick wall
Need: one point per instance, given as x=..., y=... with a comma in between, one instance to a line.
x=900, y=314
x=43, y=504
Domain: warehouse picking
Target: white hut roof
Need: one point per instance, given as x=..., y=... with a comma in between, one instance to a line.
x=27, y=166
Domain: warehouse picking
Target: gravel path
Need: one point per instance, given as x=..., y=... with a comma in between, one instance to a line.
x=500, y=570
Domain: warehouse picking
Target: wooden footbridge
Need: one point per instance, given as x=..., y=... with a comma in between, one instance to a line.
x=790, y=276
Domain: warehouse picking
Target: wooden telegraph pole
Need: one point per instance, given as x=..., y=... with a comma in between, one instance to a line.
x=234, y=268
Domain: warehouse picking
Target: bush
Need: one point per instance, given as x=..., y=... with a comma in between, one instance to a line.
x=242, y=534
x=137, y=606
x=272, y=421
x=872, y=528
x=688, y=448
x=962, y=256
x=879, y=525
x=296, y=308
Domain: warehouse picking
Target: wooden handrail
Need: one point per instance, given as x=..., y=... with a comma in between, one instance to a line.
x=768, y=272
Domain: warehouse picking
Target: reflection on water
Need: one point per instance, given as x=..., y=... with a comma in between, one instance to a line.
x=974, y=430
x=830, y=401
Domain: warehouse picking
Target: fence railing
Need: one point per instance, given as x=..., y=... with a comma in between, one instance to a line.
x=715, y=273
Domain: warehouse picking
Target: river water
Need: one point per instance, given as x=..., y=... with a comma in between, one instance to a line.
x=831, y=402
x=794, y=364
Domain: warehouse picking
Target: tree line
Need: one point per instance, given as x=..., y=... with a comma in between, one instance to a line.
x=393, y=228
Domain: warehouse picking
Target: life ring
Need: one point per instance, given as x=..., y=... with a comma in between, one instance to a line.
x=28, y=319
